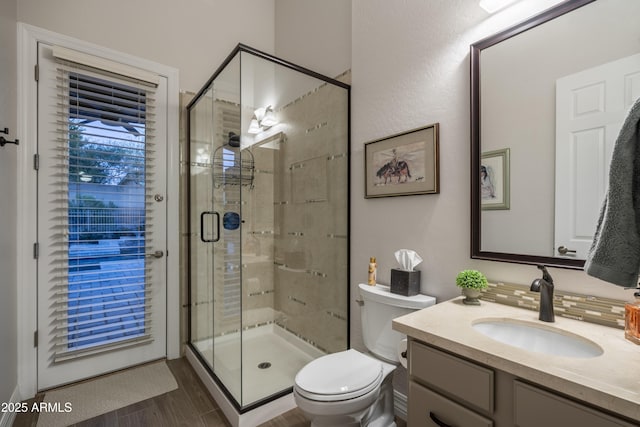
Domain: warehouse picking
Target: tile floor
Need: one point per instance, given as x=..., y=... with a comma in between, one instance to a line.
x=190, y=405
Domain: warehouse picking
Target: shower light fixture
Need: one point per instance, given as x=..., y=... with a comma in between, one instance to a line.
x=263, y=118
x=492, y=6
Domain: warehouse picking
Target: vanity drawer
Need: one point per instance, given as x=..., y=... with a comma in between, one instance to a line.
x=426, y=406
x=453, y=376
x=535, y=407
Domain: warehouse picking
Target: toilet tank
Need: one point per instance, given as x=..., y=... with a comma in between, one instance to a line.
x=379, y=308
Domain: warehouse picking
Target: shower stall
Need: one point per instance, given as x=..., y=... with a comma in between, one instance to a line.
x=269, y=224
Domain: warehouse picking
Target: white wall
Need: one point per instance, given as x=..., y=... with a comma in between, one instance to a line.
x=193, y=36
x=314, y=34
x=410, y=68
x=8, y=196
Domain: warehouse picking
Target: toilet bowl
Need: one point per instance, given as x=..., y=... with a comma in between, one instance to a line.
x=343, y=389
x=350, y=388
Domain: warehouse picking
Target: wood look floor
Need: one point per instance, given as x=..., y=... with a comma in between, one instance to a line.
x=190, y=405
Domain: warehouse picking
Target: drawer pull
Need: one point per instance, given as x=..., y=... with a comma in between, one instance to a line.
x=436, y=420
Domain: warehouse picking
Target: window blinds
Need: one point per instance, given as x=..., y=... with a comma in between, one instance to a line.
x=105, y=152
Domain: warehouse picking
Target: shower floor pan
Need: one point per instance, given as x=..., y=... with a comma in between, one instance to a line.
x=271, y=357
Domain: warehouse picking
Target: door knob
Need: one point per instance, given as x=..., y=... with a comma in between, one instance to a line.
x=156, y=254
x=564, y=250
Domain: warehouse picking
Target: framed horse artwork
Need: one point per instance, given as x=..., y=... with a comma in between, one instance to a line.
x=404, y=164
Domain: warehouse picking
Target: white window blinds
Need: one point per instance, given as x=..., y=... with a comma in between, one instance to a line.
x=104, y=227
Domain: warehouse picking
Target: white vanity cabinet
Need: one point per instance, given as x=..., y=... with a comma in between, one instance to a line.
x=447, y=390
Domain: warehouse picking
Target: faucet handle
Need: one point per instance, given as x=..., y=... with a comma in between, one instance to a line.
x=545, y=274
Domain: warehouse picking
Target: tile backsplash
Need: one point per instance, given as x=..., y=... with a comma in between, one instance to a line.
x=603, y=311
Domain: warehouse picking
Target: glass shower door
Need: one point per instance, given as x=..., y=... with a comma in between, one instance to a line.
x=215, y=254
x=201, y=251
x=225, y=225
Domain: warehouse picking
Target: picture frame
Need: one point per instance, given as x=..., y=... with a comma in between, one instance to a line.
x=495, y=180
x=403, y=164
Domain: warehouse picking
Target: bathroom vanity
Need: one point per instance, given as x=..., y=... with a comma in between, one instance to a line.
x=460, y=376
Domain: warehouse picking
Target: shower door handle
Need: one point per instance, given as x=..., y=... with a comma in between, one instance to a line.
x=217, y=235
x=217, y=230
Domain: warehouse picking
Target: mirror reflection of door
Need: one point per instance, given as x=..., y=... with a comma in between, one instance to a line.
x=590, y=108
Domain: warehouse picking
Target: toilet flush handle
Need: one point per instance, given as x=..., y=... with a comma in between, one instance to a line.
x=360, y=302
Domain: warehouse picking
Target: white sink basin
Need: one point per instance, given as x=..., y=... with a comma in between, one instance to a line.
x=538, y=338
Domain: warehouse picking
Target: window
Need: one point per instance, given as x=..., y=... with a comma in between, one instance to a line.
x=104, y=138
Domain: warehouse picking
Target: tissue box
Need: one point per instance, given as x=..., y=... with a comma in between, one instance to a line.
x=405, y=283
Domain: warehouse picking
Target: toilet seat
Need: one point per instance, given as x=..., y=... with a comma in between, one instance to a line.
x=339, y=376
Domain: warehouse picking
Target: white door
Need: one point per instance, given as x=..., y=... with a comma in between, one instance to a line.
x=101, y=219
x=590, y=108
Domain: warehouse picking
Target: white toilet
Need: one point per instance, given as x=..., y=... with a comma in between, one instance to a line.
x=350, y=388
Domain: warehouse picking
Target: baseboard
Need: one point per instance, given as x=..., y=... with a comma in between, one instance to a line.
x=400, y=405
x=8, y=417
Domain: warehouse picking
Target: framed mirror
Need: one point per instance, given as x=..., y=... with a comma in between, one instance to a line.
x=548, y=97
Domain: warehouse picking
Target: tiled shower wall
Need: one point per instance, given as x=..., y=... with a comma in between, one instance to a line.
x=311, y=217
x=258, y=238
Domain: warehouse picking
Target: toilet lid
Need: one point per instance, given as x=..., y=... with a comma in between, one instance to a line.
x=340, y=373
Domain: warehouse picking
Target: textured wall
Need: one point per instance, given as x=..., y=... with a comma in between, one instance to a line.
x=193, y=36
x=314, y=34
x=410, y=68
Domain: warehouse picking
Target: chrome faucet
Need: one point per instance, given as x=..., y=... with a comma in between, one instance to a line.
x=545, y=287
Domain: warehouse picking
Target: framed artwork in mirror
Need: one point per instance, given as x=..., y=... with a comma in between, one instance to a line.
x=494, y=180
x=403, y=164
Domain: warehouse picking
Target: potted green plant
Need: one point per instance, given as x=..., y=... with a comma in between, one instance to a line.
x=472, y=282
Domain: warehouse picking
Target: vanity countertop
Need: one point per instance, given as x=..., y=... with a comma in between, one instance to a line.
x=610, y=381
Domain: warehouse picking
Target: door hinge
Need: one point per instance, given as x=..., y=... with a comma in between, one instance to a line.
x=36, y=72
x=36, y=250
x=36, y=161
x=35, y=339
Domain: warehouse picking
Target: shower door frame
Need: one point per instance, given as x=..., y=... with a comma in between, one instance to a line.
x=236, y=51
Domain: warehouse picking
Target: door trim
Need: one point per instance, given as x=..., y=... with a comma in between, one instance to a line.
x=28, y=39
